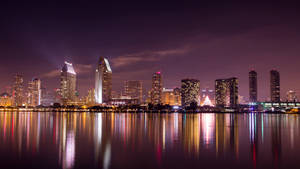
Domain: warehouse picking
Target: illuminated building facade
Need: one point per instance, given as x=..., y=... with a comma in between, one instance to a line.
x=252, y=86
x=171, y=97
x=57, y=95
x=17, y=92
x=48, y=97
x=275, y=86
x=134, y=90
x=167, y=96
x=190, y=91
x=177, y=96
x=124, y=100
x=5, y=99
x=226, y=92
x=68, y=84
x=34, y=92
x=148, y=99
x=156, y=91
x=291, y=96
x=103, y=82
x=90, y=98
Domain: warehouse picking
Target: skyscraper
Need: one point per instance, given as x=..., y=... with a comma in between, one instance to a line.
x=190, y=92
x=134, y=89
x=68, y=83
x=17, y=93
x=156, y=91
x=226, y=92
x=275, y=86
x=103, y=83
x=34, y=92
x=252, y=86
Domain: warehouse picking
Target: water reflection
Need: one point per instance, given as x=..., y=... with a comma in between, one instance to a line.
x=115, y=140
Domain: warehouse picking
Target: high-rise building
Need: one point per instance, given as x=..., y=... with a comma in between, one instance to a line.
x=252, y=86
x=226, y=91
x=103, y=82
x=68, y=84
x=291, y=96
x=156, y=91
x=134, y=89
x=17, y=92
x=275, y=85
x=171, y=97
x=190, y=92
x=34, y=92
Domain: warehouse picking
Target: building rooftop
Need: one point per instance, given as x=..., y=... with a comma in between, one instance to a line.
x=68, y=67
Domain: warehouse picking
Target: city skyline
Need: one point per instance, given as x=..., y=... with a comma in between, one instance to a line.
x=106, y=76
x=200, y=42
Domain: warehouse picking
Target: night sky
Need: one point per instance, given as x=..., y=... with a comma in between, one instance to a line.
x=197, y=40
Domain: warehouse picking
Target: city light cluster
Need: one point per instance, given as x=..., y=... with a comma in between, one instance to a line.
x=189, y=95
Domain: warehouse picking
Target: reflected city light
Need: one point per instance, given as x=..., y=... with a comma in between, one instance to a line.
x=107, y=156
x=101, y=138
x=208, y=123
x=69, y=153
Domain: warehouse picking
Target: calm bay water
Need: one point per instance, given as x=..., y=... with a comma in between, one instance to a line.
x=134, y=141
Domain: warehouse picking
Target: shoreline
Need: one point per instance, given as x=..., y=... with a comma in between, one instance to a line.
x=69, y=110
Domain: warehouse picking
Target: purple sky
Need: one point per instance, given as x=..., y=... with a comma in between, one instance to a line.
x=203, y=41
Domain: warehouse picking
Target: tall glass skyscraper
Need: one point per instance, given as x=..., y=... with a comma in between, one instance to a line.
x=275, y=86
x=17, y=93
x=34, y=92
x=156, y=91
x=252, y=86
x=68, y=83
x=103, y=84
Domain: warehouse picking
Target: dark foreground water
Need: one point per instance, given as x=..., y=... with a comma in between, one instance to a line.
x=141, y=141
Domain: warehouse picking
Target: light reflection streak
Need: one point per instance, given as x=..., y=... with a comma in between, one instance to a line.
x=164, y=134
x=208, y=122
x=69, y=152
x=98, y=135
x=107, y=156
x=262, y=128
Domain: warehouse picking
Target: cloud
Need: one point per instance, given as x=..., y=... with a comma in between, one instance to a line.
x=80, y=69
x=132, y=74
x=51, y=74
x=83, y=69
x=146, y=56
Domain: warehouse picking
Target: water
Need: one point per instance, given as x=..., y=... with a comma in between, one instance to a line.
x=135, y=141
